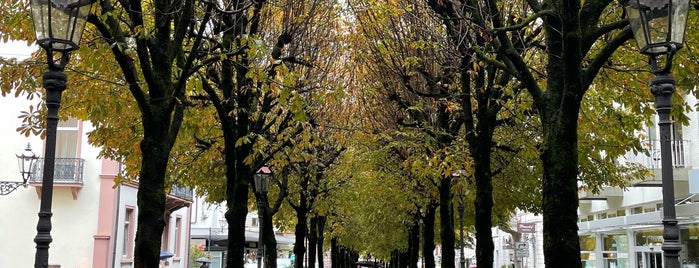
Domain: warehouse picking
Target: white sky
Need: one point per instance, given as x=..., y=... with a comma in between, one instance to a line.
x=11, y=142
x=16, y=49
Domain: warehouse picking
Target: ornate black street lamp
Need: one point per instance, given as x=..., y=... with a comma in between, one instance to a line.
x=659, y=27
x=25, y=162
x=261, y=184
x=460, y=208
x=59, y=26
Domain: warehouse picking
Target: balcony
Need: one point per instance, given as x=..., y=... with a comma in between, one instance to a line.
x=679, y=151
x=182, y=192
x=68, y=173
x=178, y=197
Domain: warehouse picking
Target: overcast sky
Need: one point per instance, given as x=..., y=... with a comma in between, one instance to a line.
x=16, y=49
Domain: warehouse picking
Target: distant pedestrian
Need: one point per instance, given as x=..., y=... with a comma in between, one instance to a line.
x=204, y=265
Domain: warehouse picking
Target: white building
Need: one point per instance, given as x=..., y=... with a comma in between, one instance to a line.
x=93, y=222
x=527, y=250
x=623, y=228
x=209, y=228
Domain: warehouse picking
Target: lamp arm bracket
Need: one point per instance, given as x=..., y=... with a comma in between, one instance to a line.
x=7, y=187
x=56, y=65
x=653, y=61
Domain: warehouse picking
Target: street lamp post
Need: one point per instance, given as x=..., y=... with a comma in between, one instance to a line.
x=659, y=28
x=261, y=184
x=58, y=25
x=461, y=208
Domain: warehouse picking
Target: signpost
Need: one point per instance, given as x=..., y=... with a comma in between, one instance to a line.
x=523, y=227
x=522, y=250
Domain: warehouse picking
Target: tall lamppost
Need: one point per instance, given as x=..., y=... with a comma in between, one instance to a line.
x=659, y=27
x=261, y=188
x=25, y=162
x=460, y=208
x=59, y=26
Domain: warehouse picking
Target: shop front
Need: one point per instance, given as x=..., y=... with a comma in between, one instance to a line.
x=637, y=247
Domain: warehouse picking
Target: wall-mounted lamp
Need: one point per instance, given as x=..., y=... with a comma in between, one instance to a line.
x=25, y=162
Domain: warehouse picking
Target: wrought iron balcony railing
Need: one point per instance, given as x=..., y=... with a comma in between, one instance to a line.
x=66, y=171
x=679, y=151
x=185, y=193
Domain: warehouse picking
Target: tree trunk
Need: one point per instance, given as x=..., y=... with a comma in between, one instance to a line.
x=151, y=189
x=428, y=245
x=236, y=201
x=312, y=240
x=447, y=223
x=270, y=239
x=301, y=228
x=560, y=198
x=334, y=253
x=484, y=201
x=414, y=243
x=321, y=239
x=559, y=151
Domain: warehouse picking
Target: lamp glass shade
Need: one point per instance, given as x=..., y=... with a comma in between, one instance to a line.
x=59, y=24
x=25, y=162
x=261, y=179
x=657, y=24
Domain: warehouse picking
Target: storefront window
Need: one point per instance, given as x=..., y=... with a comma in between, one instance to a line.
x=587, y=251
x=588, y=259
x=587, y=243
x=649, y=238
x=615, y=251
x=616, y=242
x=690, y=238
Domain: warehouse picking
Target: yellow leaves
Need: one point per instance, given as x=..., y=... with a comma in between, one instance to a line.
x=411, y=62
x=141, y=32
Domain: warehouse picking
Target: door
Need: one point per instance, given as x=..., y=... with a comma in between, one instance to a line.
x=649, y=259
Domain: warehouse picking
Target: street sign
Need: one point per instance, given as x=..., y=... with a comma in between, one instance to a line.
x=522, y=249
x=526, y=227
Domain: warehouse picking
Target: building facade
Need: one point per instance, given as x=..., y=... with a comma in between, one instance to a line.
x=94, y=220
x=209, y=230
x=623, y=227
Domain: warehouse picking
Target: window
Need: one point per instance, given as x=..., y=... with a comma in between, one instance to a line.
x=67, y=138
x=178, y=235
x=621, y=212
x=587, y=250
x=649, y=238
x=614, y=247
x=127, y=242
x=637, y=210
x=254, y=222
x=165, y=239
x=587, y=243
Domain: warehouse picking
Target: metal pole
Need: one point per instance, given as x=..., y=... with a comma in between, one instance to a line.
x=663, y=86
x=462, y=260
x=54, y=83
x=260, y=212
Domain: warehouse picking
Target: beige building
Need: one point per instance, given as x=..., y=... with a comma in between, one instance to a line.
x=93, y=222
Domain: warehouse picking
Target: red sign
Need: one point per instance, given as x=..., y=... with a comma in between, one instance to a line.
x=526, y=227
